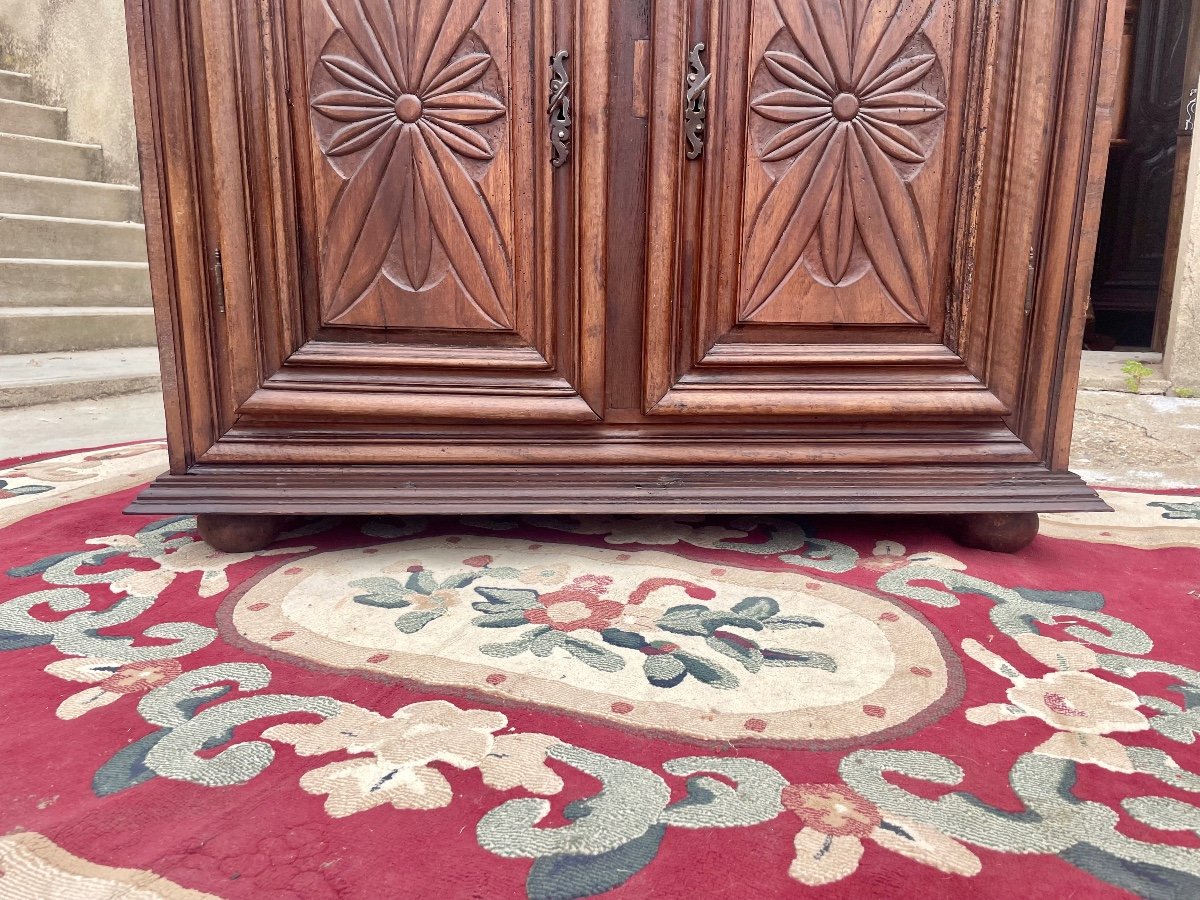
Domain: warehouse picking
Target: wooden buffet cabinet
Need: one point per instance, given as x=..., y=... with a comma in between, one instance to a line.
x=483, y=256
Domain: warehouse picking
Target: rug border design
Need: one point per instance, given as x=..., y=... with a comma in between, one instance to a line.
x=141, y=884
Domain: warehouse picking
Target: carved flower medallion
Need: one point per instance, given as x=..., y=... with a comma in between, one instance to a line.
x=850, y=117
x=402, y=112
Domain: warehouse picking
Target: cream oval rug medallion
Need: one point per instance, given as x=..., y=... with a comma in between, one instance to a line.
x=645, y=640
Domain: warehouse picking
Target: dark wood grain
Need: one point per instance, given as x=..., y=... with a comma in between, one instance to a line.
x=238, y=534
x=582, y=490
x=415, y=310
x=997, y=532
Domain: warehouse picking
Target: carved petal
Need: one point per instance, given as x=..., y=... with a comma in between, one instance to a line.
x=895, y=142
x=903, y=75
x=789, y=105
x=416, y=233
x=798, y=17
x=914, y=100
x=462, y=73
x=789, y=217
x=363, y=207
x=889, y=224
x=876, y=18
x=889, y=26
x=465, y=107
x=352, y=19
x=350, y=106
x=798, y=73
x=359, y=135
x=441, y=27
x=904, y=115
x=794, y=139
x=465, y=226
x=382, y=22
x=837, y=226
x=356, y=76
x=462, y=140
x=835, y=36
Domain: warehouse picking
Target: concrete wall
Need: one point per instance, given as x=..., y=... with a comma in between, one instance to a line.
x=1181, y=362
x=76, y=52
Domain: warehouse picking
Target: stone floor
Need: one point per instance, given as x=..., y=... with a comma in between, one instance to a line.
x=1137, y=440
x=80, y=424
x=1120, y=439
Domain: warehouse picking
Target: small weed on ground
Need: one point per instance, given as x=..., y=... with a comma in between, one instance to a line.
x=1134, y=373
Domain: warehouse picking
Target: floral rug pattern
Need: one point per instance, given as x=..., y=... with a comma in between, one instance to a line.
x=567, y=708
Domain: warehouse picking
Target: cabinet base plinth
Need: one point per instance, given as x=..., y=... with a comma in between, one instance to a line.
x=218, y=491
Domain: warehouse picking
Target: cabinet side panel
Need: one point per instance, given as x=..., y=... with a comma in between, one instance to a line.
x=161, y=67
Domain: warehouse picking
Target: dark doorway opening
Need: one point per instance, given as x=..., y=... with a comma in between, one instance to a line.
x=1137, y=251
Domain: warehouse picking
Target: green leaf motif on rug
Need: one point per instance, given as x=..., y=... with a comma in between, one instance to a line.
x=1178, y=511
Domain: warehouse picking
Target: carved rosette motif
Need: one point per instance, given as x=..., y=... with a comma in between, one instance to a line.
x=848, y=120
x=403, y=113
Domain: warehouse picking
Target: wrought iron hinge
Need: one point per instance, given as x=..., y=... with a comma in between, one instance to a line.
x=695, y=110
x=218, y=271
x=1189, y=114
x=560, y=109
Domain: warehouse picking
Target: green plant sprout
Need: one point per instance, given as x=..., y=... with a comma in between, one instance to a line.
x=1135, y=372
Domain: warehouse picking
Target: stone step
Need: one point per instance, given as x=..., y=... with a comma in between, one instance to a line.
x=72, y=282
x=33, y=119
x=48, y=237
x=31, y=379
x=47, y=329
x=15, y=86
x=1124, y=371
x=36, y=195
x=26, y=155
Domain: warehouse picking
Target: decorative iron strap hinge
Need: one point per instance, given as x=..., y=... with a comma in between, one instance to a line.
x=560, y=109
x=696, y=102
x=1189, y=115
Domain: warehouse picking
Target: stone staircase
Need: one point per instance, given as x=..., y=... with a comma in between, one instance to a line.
x=75, y=315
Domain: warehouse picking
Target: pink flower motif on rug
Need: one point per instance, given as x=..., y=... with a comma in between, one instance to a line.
x=836, y=823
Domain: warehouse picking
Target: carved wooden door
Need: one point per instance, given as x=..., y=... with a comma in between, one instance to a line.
x=862, y=229
x=393, y=229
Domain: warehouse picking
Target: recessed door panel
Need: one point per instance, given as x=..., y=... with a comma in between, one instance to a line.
x=409, y=212
x=415, y=115
x=845, y=221
x=845, y=178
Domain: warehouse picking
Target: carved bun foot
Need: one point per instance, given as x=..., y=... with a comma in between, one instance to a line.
x=238, y=534
x=997, y=532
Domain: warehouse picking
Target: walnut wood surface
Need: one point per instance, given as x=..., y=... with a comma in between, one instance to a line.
x=867, y=291
x=238, y=534
x=997, y=532
x=676, y=490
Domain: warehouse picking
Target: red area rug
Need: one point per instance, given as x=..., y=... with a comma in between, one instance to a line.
x=566, y=707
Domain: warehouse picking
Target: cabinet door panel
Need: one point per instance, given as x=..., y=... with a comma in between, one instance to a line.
x=415, y=186
x=389, y=239
x=845, y=172
x=861, y=236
